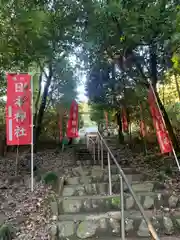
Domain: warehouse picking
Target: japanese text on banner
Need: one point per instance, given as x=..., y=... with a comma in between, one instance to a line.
x=18, y=109
x=72, y=125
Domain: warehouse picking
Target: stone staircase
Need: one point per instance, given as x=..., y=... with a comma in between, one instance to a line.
x=87, y=211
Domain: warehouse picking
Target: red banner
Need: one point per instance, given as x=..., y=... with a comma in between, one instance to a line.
x=161, y=131
x=106, y=118
x=72, y=125
x=18, y=109
x=124, y=121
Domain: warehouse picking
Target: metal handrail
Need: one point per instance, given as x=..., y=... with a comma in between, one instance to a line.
x=123, y=177
x=94, y=153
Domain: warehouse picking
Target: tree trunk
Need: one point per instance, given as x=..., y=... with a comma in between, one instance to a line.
x=42, y=107
x=37, y=100
x=177, y=85
x=119, y=123
x=70, y=141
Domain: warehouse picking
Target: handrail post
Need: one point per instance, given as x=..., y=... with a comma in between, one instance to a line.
x=122, y=208
x=109, y=173
x=87, y=141
x=93, y=148
x=94, y=153
x=102, y=160
x=124, y=178
x=98, y=143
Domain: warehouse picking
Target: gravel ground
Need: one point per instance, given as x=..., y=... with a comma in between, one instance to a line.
x=28, y=212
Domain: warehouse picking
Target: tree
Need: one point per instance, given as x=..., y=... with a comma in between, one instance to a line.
x=137, y=38
x=40, y=34
x=176, y=43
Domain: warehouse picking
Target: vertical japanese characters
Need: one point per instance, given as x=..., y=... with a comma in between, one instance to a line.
x=72, y=125
x=18, y=109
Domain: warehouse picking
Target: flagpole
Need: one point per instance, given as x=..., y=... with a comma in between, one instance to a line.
x=174, y=153
x=32, y=138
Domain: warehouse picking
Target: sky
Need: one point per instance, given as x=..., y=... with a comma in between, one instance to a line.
x=81, y=89
x=81, y=77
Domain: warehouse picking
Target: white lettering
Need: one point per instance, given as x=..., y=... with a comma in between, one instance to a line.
x=20, y=116
x=21, y=78
x=19, y=131
x=73, y=123
x=73, y=130
x=19, y=101
x=19, y=87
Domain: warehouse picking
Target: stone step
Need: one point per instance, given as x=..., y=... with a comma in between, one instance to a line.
x=115, y=170
x=103, y=188
x=85, y=162
x=103, y=178
x=83, y=153
x=97, y=170
x=108, y=224
x=127, y=238
x=94, y=204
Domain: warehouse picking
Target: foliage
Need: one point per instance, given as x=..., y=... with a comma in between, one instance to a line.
x=97, y=112
x=135, y=36
x=169, y=95
x=176, y=42
x=63, y=86
x=6, y=232
x=50, y=178
x=121, y=45
x=38, y=37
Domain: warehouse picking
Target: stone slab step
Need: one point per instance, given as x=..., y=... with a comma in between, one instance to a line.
x=127, y=238
x=96, y=170
x=103, y=188
x=115, y=170
x=94, y=204
x=109, y=224
x=103, y=178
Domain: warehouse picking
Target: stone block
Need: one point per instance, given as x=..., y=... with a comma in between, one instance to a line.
x=71, y=205
x=66, y=229
x=87, y=229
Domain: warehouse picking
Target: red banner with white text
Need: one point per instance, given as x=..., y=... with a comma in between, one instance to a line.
x=124, y=121
x=18, y=109
x=72, y=125
x=161, y=131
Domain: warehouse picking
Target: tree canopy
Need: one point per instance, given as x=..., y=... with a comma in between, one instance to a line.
x=131, y=43
x=121, y=46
